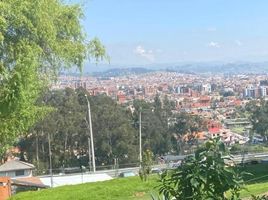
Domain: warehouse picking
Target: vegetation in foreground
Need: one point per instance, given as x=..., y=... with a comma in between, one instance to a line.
x=38, y=39
x=208, y=174
x=118, y=189
x=202, y=176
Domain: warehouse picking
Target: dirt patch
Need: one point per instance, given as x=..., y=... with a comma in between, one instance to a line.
x=139, y=194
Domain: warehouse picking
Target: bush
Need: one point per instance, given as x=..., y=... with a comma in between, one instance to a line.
x=203, y=176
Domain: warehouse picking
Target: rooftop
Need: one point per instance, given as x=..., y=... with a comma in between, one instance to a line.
x=14, y=165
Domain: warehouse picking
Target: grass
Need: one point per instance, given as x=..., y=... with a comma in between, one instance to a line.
x=259, y=173
x=133, y=189
x=238, y=130
x=257, y=182
x=118, y=189
x=255, y=189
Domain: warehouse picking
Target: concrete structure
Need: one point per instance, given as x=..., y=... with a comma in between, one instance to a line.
x=60, y=180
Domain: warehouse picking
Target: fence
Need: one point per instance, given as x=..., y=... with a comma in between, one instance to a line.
x=110, y=169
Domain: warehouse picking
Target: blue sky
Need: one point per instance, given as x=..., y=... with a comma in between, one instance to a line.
x=144, y=32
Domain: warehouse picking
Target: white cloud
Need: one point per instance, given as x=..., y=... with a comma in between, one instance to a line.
x=238, y=43
x=214, y=45
x=147, y=54
x=139, y=50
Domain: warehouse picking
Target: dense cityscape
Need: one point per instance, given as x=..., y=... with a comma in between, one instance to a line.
x=215, y=98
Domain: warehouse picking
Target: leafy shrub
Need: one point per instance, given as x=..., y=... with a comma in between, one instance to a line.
x=146, y=165
x=203, y=176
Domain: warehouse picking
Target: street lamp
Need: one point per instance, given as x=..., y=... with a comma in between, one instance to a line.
x=140, y=138
x=91, y=136
x=50, y=162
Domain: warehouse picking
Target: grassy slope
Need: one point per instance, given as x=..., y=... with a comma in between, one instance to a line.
x=118, y=189
x=258, y=181
x=133, y=189
x=256, y=189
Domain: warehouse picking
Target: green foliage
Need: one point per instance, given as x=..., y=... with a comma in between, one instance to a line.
x=187, y=123
x=146, y=165
x=156, y=134
x=185, y=130
x=97, y=51
x=130, y=188
x=114, y=137
x=263, y=197
x=248, y=148
x=259, y=117
x=37, y=40
x=203, y=176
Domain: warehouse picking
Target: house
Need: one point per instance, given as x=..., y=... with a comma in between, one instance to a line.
x=16, y=168
x=5, y=188
x=21, y=176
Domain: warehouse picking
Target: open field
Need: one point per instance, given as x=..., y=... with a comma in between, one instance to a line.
x=133, y=189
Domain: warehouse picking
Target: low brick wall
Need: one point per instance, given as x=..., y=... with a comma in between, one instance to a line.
x=5, y=188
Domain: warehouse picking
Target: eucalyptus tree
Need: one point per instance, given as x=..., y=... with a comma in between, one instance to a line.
x=185, y=129
x=114, y=137
x=156, y=134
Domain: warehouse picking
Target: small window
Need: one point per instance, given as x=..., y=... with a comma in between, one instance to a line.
x=19, y=173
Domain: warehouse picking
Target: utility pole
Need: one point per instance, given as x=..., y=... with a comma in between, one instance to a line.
x=37, y=150
x=50, y=162
x=91, y=136
x=140, y=139
x=89, y=154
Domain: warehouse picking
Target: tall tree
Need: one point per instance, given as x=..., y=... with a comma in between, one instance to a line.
x=156, y=135
x=114, y=137
x=185, y=130
x=37, y=39
x=259, y=117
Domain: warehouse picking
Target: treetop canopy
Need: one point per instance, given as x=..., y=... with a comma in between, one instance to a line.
x=38, y=38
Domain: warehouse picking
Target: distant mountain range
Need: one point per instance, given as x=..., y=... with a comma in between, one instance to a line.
x=192, y=68
x=122, y=72
x=227, y=68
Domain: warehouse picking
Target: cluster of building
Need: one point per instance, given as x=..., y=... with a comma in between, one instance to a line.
x=257, y=90
x=214, y=97
x=176, y=86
